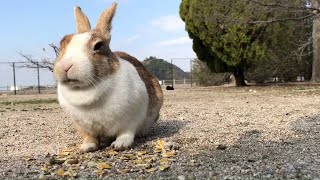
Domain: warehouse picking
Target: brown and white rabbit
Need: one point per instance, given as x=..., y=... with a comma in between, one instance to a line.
x=109, y=95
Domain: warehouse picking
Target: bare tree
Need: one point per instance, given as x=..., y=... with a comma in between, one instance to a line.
x=44, y=63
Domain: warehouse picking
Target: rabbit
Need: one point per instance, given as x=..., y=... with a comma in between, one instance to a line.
x=110, y=96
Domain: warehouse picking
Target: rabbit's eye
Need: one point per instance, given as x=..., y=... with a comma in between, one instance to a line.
x=98, y=46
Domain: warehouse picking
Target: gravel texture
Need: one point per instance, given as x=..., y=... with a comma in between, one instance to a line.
x=219, y=132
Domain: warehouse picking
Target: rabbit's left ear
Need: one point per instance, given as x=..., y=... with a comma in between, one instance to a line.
x=105, y=20
x=82, y=21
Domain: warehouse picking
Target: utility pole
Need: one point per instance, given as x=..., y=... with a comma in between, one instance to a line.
x=38, y=72
x=14, y=78
x=172, y=73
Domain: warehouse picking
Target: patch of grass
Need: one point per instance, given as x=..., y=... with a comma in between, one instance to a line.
x=300, y=88
x=31, y=101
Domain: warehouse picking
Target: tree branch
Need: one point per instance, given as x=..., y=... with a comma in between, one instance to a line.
x=34, y=63
x=282, y=20
x=275, y=5
x=55, y=49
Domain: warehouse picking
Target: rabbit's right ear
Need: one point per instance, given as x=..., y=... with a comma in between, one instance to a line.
x=105, y=21
x=82, y=21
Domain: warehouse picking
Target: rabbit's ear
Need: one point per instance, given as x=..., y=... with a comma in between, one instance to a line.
x=105, y=20
x=82, y=22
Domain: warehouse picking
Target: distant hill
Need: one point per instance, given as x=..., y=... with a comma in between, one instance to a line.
x=162, y=69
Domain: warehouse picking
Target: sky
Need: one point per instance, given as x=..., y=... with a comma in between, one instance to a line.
x=142, y=28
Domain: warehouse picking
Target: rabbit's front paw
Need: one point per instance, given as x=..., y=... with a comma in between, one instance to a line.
x=89, y=144
x=89, y=147
x=123, y=141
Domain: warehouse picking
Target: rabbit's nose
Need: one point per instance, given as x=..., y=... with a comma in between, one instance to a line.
x=66, y=65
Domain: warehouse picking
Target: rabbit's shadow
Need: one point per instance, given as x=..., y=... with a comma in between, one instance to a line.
x=162, y=129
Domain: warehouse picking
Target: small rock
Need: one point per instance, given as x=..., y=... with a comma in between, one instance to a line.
x=194, y=163
x=270, y=171
x=256, y=174
x=181, y=177
x=91, y=164
x=57, y=161
x=268, y=176
x=236, y=146
x=222, y=147
x=72, y=161
x=47, y=155
x=51, y=161
x=42, y=177
x=172, y=146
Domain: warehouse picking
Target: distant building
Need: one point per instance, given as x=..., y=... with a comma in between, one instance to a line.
x=17, y=88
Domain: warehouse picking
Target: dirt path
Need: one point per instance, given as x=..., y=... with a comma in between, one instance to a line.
x=222, y=132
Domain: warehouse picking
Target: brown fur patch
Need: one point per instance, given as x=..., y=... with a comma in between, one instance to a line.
x=63, y=46
x=64, y=43
x=104, y=61
x=87, y=137
x=153, y=87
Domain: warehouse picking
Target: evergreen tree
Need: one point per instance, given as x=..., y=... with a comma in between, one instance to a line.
x=232, y=36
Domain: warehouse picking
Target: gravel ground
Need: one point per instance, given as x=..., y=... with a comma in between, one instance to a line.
x=219, y=132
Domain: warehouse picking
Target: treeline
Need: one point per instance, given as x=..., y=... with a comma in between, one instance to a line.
x=163, y=70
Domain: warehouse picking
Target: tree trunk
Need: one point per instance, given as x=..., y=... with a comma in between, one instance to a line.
x=238, y=75
x=316, y=50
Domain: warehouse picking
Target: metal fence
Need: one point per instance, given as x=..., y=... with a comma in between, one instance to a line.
x=25, y=78
x=30, y=78
x=180, y=79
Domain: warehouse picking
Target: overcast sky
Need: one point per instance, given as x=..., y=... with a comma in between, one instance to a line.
x=142, y=28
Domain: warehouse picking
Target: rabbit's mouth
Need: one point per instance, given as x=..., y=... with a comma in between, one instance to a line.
x=72, y=81
x=75, y=83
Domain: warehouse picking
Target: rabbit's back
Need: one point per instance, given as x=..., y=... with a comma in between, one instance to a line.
x=153, y=89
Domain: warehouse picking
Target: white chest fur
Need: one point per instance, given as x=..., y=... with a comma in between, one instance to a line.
x=117, y=104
